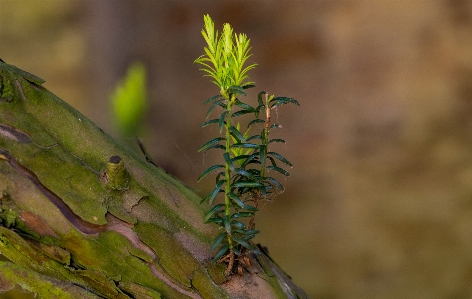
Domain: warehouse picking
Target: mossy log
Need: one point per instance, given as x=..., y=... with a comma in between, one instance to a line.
x=82, y=216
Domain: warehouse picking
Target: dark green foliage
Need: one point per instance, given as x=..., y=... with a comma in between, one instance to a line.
x=247, y=159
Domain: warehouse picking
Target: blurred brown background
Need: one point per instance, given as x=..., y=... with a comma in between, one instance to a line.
x=379, y=202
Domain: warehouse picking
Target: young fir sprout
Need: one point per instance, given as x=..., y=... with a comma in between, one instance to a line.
x=244, y=175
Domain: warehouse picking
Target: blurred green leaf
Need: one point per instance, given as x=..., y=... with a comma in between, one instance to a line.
x=129, y=100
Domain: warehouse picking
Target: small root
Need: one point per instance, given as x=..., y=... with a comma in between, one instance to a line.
x=229, y=269
x=243, y=262
x=229, y=258
x=240, y=263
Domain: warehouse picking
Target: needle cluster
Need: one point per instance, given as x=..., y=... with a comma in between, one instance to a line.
x=244, y=177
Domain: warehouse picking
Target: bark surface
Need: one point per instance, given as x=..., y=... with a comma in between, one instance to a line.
x=83, y=217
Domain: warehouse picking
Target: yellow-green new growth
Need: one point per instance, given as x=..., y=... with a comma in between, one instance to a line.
x=225, y=56
x=129, y=100
x=241, y=178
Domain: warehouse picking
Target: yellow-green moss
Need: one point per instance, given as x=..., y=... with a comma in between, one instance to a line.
x=43, y=287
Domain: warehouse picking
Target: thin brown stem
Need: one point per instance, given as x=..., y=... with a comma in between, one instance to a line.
x=267, y=121
x=256, y=197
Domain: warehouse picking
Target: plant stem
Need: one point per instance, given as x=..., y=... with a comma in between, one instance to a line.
x=265, y=137
x=227, y=168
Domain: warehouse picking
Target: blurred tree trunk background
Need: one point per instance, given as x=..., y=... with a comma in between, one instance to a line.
x=379, y=201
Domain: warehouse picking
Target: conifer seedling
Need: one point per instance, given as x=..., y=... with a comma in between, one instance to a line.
x=245, y=175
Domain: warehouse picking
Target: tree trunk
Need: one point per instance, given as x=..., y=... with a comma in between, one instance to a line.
x=83, y=217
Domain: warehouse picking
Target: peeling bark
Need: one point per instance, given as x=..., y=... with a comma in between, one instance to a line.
x=88, y=218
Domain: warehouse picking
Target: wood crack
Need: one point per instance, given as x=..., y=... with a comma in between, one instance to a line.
x=74, y=219
x=113, y=224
